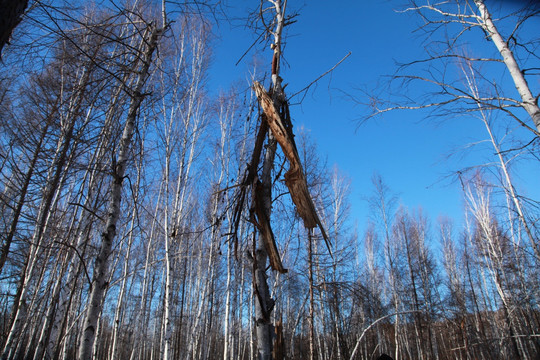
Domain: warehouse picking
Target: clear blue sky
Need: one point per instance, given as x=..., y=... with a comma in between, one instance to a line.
x=409, y=151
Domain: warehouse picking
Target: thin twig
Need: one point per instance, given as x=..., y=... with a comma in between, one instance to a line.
x=80, y=258
x=247, y=51
x=87, y=209
x=320, y=77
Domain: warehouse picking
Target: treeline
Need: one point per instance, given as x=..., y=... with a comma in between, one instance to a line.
x=121, y=239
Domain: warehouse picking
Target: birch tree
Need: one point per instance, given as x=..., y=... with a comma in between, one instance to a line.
x=495, y=252
x=147, y=46
x=276, y=125
x=503, y=69
x=511, y=56
x=72, y=94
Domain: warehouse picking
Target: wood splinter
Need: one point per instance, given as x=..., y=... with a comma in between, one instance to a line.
x=295, y=179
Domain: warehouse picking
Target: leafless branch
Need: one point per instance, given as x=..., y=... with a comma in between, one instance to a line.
x=305, y=89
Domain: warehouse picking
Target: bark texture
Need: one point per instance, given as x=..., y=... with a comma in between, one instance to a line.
x=263, y=223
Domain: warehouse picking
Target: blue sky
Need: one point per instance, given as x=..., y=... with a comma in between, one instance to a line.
x=409, y=151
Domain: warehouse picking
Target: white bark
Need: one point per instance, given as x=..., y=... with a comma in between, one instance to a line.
x=226, y=120
x=491, y=245
x=118, y=315
x=263, y=302
x=509, y=186
x=142, y=319
x=101, y=267
x=93, y=177
x=529, y=103
x=51, y=190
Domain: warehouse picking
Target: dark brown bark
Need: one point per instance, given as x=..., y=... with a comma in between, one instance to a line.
x=263, y=224
x=279, y=344
x=11, y=12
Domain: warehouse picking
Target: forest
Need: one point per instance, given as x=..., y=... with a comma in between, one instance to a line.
x=144, y=215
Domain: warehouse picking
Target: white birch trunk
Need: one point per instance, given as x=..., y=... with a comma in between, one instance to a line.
x=118, y=315
x=141, y=319
x=509, y=188
x=101, y=267
x=529, y=103
x=93, y=177
x=51, y=189
x=263, y=302
x=227, y=339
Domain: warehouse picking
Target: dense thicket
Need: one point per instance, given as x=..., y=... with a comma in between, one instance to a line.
x=120, y=238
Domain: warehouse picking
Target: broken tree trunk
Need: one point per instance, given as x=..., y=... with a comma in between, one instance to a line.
x=294, y=178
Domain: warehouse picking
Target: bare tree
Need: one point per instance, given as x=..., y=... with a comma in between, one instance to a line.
x=458, y=19
x=76, y=89
x=507, y=183
x=147, y=46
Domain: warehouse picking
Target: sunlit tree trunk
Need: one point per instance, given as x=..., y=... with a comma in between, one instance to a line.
x=311, y=298
x=508, y=184
x=120, y=305
x=491, y=244
x=51, y=188
x=93, y=181
x=263, y=302
x=529, y=102
x=101, y=267
x=223, y=160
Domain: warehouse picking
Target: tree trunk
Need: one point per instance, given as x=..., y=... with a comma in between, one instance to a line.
x=22, y=197
x=101, y=267
x=54, y=177
x=529, y=103
x=311, y=298
x=264, y=304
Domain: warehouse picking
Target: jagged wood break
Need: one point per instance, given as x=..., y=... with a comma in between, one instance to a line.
x=294, y=177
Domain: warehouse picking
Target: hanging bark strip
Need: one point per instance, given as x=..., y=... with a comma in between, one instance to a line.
x=258, y=215
x=294, y=177
x=262, y=222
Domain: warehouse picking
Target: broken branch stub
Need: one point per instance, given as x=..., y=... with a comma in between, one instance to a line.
x=295, y=179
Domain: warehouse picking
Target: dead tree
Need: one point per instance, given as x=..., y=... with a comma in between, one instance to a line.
x=275, y=126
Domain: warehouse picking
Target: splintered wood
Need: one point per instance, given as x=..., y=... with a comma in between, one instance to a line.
x=294, y=178
x=265, y=229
